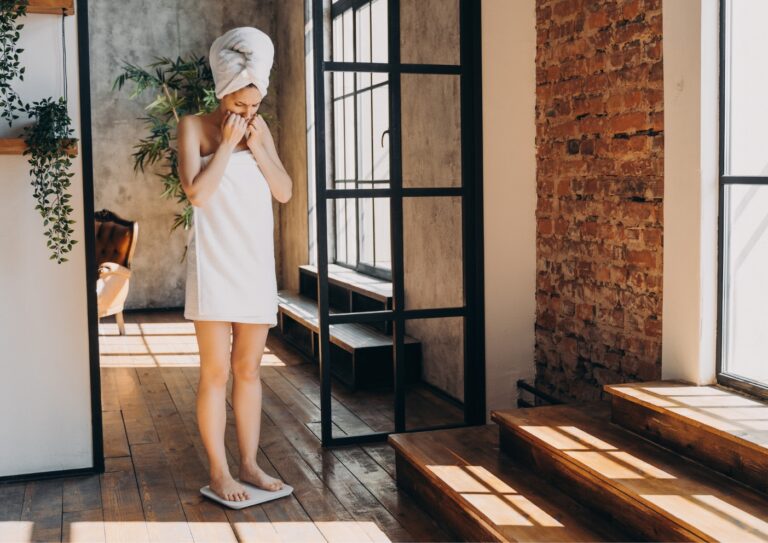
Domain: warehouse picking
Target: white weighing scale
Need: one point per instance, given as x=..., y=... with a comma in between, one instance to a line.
x=257, y=495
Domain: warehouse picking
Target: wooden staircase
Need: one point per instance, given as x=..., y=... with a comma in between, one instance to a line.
x=662, y=461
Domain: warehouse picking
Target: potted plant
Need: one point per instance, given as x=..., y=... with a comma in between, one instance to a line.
x=183, y=86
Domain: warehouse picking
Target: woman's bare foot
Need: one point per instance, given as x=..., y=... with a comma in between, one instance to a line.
x=227, y=488
x=255, y=475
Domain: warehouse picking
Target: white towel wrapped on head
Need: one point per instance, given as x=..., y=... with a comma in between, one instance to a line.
x=239, y=57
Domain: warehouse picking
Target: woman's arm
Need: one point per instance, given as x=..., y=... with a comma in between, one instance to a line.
x=199, y=183
x=262, y=147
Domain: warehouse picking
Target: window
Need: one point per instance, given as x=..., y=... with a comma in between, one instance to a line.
x=743, y=217
x=360, y=117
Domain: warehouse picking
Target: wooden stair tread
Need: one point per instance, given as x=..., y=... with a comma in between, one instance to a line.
x=350, y=336
x=506, y=502
x=364, y=284
x=730, y=415
x=698, y=503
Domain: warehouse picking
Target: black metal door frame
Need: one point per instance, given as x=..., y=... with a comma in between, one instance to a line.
x=469, y=70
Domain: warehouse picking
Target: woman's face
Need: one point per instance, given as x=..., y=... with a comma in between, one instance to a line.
x=244, y=102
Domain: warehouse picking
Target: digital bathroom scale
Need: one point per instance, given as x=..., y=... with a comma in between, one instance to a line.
x=257, y=495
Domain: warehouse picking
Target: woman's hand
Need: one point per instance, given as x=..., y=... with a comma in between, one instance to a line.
x=258, y=132
x=233, y=128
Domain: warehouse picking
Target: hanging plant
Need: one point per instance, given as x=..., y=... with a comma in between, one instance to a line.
x=182, y=87
x=10, y=66
x=49, y=140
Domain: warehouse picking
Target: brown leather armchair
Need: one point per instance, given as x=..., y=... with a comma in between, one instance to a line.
x=115, y=245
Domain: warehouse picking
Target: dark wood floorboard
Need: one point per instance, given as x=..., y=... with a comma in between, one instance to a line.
x=156, y=463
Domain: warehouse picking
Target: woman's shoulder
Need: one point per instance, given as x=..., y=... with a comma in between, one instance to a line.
x=190, y=121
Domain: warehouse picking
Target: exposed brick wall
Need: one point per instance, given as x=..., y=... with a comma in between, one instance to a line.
x=600, y=151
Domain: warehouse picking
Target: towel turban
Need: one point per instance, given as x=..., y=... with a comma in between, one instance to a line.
x=239, y=57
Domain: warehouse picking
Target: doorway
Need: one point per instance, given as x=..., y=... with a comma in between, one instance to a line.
x=398, y=212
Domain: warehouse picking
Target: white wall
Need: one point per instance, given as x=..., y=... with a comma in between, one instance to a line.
x=509, y=186
x=691, y=67
x=45, y=399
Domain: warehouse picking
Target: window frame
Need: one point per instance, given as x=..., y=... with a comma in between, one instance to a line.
x=338, y=9
x=732, y=380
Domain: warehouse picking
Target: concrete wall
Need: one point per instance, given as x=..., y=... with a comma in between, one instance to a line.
x=292, y=219
x=45, y=420
x=431, y=154
x=119, y=31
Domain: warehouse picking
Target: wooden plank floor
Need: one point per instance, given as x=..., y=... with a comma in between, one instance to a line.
x=156, y=463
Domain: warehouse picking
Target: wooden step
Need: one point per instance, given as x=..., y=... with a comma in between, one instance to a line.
x=460, y=478
x=361, y=355
x=350, y=291
x=716, y=426
x=348, y=336
x=354, y=281
x=649, y=489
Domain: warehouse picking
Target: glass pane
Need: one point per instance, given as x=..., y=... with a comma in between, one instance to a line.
x=349, y=31
x=362, y=393
x=360, y=269
x=359, y=130
x=375, y=235
x=746, y=88
x=344, y=232
x=429, y=31
x=431, y=125
x=432, y=252
x=363, y=33
x=359, y=34
x=745, y=267
x=380, y=123
x=434, y=372
x=380, y=31
x=337, y=37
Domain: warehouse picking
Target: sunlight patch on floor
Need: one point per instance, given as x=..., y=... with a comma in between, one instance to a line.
x=492, y=497
x=596, y=453
x=720, y=409
x=262, y=532
x=157, y=344
x=713, y=516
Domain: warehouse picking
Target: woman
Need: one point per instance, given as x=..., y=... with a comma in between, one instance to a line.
x=229, y=169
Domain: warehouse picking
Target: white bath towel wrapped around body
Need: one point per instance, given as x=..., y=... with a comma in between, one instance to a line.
x=231, y=256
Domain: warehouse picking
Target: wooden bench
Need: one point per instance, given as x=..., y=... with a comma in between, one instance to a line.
x=361, y=355
x=349, y=291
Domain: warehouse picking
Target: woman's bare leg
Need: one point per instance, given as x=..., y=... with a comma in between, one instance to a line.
x=247, y=349
x=213, y=344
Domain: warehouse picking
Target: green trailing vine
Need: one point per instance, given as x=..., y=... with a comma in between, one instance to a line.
x=48, y=139
x=48, y=142
x=183, y=86
x=10, y=66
